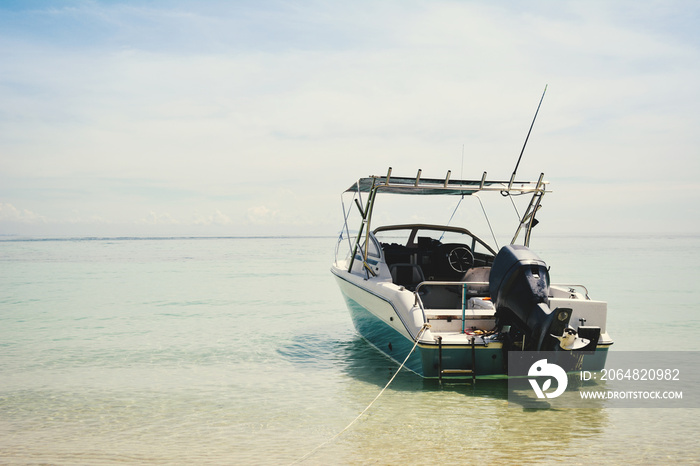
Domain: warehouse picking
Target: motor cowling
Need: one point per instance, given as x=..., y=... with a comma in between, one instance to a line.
x=519, y=287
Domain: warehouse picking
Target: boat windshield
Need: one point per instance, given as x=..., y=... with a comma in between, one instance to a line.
x=412, y=236
x=443, y=253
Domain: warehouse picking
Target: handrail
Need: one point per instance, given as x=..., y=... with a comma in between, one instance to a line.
x=429, y=283
x=459, y=283
x=419, y=302
x=571, y=287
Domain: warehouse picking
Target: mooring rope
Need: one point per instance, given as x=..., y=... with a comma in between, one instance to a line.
x=423, y=329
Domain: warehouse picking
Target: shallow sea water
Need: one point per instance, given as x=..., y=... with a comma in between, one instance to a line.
x=240, y=350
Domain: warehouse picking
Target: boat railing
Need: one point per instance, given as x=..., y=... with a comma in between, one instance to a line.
x=443, y=283
x=463, y=285
x=571, y=287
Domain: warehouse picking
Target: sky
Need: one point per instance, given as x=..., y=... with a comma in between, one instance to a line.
x=247, y=118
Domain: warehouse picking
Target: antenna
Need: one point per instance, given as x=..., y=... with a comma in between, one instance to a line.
x=512, y=177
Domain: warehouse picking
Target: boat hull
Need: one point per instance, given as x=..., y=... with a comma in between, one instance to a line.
x=384, y=337
x=379, y=321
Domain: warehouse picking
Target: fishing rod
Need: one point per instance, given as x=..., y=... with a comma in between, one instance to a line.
x=512, y=177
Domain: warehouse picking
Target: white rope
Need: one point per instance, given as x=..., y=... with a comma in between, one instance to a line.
x=424, y=328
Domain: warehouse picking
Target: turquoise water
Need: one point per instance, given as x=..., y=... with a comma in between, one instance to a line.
x=240, y=350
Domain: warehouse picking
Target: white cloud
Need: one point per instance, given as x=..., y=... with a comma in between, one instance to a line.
x=154, y=218
x=10, y=213
x=216, y=218
x=261, y=215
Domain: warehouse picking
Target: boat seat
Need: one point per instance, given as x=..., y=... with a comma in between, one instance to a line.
x=477, y=274
x=406, y=275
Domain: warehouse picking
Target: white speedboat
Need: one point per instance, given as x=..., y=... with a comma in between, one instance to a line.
x=454, y=301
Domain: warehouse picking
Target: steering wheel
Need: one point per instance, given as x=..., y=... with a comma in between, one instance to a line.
x=460, y=259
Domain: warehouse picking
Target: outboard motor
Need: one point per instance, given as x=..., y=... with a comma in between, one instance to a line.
x=519, y=286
